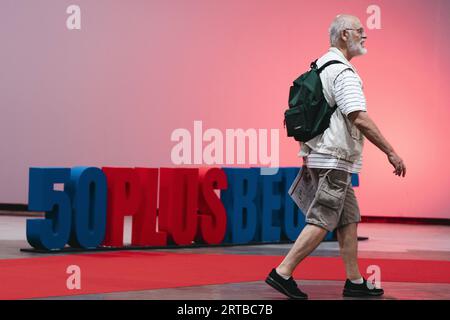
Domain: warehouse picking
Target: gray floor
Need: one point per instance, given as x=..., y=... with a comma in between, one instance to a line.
x=385, y=241
x=317, y=290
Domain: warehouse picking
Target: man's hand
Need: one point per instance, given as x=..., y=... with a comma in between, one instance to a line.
x=397, y=163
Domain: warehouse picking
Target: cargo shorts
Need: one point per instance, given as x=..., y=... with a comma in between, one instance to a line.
x=334, y=204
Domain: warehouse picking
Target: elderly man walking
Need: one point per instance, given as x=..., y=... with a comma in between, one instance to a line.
x=329, y=161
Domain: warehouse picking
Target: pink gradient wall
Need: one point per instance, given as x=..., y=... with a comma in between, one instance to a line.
x=113, y=92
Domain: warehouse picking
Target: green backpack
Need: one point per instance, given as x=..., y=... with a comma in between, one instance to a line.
x=309, y=113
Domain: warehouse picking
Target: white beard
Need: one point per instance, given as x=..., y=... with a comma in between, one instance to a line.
x=356, y=48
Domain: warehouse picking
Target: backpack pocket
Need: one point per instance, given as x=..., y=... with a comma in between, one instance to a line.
x=295, y=121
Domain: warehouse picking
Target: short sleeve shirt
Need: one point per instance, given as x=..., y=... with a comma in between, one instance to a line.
x=348, y=93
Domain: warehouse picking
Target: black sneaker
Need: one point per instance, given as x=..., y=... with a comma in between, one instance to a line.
x=360, y=290
x=287, y=287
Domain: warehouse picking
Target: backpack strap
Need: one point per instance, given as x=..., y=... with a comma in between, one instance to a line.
x=326, y=64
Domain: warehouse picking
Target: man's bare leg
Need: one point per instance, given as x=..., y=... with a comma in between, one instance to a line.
x=308, y=240
x=348, y=244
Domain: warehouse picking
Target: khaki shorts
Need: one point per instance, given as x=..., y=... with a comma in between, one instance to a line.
x=334, y=204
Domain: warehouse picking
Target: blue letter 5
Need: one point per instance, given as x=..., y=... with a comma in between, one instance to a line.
x=51, y=233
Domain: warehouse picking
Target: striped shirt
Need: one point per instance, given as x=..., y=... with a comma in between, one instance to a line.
x=349, y=97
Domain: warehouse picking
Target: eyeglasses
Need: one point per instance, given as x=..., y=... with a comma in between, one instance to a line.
x=360, y=30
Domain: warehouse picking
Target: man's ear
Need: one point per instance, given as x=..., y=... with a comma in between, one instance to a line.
x=344, y=35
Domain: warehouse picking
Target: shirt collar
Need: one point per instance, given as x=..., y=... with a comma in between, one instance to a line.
x=341, y=55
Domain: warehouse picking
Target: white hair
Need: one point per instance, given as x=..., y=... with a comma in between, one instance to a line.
x=339, y=24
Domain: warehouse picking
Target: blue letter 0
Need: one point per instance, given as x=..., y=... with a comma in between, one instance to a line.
x=87, y=189
x=51, y=233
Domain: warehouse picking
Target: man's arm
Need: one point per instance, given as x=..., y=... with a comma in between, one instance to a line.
x=370, y=130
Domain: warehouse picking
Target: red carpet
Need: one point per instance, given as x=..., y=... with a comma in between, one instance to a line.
x=131, y=271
